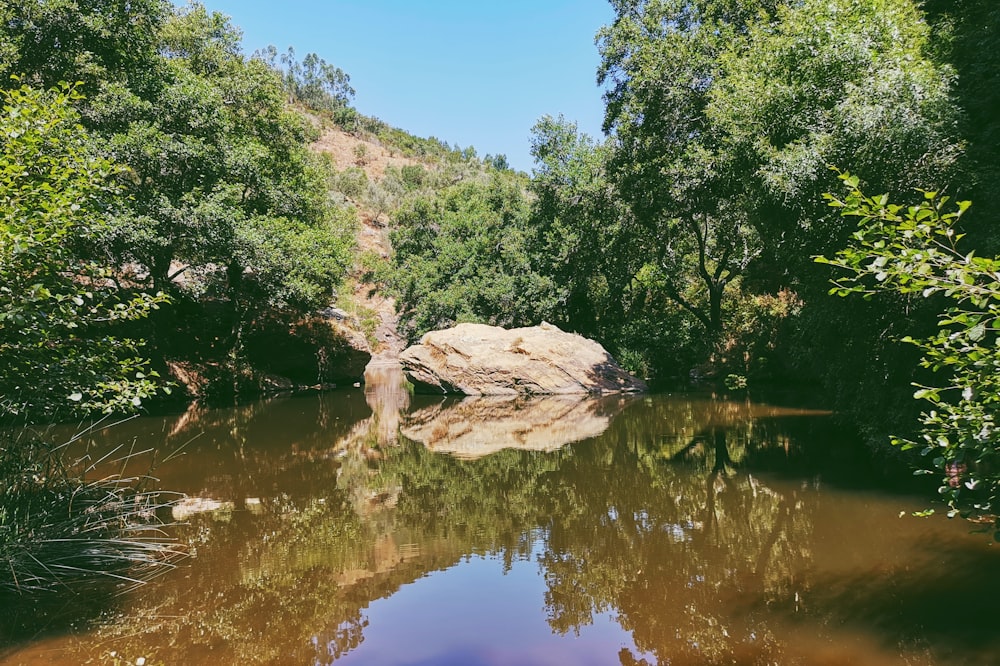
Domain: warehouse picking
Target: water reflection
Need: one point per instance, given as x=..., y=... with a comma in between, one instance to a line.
x=670, y=530
x=683, y=555
x=478, y=426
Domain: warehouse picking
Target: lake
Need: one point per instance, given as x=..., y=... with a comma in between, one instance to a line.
x=368, y=526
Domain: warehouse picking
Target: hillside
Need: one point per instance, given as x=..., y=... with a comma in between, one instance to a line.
x=375, y=169
x=347, y=151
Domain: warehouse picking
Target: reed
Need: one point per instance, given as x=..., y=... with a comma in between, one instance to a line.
x=61, y=530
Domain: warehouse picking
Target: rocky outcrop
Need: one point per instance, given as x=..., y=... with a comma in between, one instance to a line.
x=278, y=357
x=475, y=359
x=480, y=425
x=316, y=351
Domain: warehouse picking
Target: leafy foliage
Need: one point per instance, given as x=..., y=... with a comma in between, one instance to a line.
x=222, y=175
x=915, y=250
x=967, y=35
x=725, y=116
x=463, y=254
x=58, y=305
x=660, y=61
x=220, y=198
x=49, y=41
x=592, y=247
x=820, y=83
x=584, y=234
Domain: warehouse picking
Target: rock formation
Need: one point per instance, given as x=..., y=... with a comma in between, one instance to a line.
x=475, y=359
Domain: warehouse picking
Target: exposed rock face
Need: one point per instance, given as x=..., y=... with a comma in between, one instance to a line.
x=315, y=351
x=481, y=425
x=476, y=359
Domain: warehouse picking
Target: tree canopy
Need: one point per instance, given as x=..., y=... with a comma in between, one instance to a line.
x=727, y=114
x=214, y=194
x=58, y=306
x=464, y=254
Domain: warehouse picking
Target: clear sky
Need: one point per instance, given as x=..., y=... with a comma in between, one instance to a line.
x=472, y=72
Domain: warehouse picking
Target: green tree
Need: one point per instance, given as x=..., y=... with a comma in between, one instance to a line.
x=660, y=61
x=846, y=82
x=463, y=254
x=220, y=181
x=819, y=83
x=49, y=41
x=213, y=152
x=588, y=242
x=58, y=310
x=316, y=85
x=727, y=112
x=917, y=251
x=584, y=231
x=967, y=33
x=313, y=82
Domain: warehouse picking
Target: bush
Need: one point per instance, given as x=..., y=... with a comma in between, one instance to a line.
x=916, y=251
x=351, y=182
x=464, y=255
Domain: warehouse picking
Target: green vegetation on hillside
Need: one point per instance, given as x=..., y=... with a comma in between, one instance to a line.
x=218, y=202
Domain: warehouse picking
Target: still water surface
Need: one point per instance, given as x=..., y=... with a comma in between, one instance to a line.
x=369, y=527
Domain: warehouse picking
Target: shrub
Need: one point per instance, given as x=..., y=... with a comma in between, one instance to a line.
x=917, y=251
x=351, y=182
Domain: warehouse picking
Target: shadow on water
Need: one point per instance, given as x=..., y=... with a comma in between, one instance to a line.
x=30, y=619
x=938, y=600
x=376, y=527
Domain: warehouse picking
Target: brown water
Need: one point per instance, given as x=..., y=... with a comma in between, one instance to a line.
x=372, y=528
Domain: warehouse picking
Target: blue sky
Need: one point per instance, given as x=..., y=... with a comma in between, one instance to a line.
x=472, y=72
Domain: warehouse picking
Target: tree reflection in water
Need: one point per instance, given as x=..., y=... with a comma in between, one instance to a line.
x=680, y=545
x=322, y=510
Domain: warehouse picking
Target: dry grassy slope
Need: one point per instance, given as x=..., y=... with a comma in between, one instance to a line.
x=372, y=236
x=341, y=146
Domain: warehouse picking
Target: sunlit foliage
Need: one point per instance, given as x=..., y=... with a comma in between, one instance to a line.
x=917, y=250
x=60, y=349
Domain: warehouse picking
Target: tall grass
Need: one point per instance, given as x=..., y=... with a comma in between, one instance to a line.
x=61, y=530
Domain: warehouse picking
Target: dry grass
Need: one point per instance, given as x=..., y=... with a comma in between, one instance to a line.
x=342, y=148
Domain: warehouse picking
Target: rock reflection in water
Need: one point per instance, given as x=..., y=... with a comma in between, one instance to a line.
x=662, y=530
x=387, y=399
x=478, y=426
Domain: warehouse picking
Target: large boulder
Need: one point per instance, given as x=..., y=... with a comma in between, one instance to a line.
x=475, y=359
